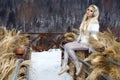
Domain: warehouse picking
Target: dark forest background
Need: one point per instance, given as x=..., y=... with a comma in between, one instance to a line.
x=56, y=15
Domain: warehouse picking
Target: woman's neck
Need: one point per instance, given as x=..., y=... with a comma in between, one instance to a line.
x=89, y=18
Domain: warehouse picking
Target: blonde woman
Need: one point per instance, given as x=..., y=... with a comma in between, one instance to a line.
x=89, y=26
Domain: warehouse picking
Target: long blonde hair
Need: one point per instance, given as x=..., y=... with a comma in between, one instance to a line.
x=93, y=19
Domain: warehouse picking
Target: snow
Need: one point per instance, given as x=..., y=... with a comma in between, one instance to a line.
x=46, y=66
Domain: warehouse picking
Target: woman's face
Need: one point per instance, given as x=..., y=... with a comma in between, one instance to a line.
x=90, y=12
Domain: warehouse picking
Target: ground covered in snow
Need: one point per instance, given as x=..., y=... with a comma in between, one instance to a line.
x=46, y=66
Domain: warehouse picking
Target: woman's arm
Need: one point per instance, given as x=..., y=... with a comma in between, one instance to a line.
x=94, y=29
x=80, y=32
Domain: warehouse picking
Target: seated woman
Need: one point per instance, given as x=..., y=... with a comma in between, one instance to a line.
x=88, y=27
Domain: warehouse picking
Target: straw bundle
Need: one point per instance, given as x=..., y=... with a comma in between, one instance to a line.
x=9, y=41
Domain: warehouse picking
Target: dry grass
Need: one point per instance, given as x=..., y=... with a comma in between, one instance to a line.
x=106, y=46
x=9, y=41
x=99, y=59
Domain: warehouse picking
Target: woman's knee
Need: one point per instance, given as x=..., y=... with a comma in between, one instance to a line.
x=67, y=46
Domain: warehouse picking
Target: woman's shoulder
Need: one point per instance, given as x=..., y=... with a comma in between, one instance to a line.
x=94, y=25
x=94, y=22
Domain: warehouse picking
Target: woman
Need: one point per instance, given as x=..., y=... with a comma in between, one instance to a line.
x=88, y=27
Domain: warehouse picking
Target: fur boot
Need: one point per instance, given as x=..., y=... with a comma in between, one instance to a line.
x=78, y=66
x=64, y=68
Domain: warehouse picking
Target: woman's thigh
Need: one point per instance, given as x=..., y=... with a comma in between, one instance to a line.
x=75, y=46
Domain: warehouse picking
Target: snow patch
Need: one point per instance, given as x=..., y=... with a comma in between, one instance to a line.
x=46, y=66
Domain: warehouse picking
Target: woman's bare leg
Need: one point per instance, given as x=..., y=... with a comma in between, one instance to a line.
x=70, y=51
x=65, y=66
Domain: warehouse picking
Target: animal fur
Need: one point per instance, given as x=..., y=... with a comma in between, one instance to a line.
x=105, y=46
x=111, y=50
x=101, y=66
x=97, y=45
x=70, y=36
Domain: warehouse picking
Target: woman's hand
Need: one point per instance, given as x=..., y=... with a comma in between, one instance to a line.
x=79, y=38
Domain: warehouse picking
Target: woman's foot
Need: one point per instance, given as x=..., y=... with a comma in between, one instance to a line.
x=65, y=69
x=78, y=66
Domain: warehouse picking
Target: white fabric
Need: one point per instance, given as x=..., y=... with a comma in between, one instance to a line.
x=46, y=66
x=93, y=27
